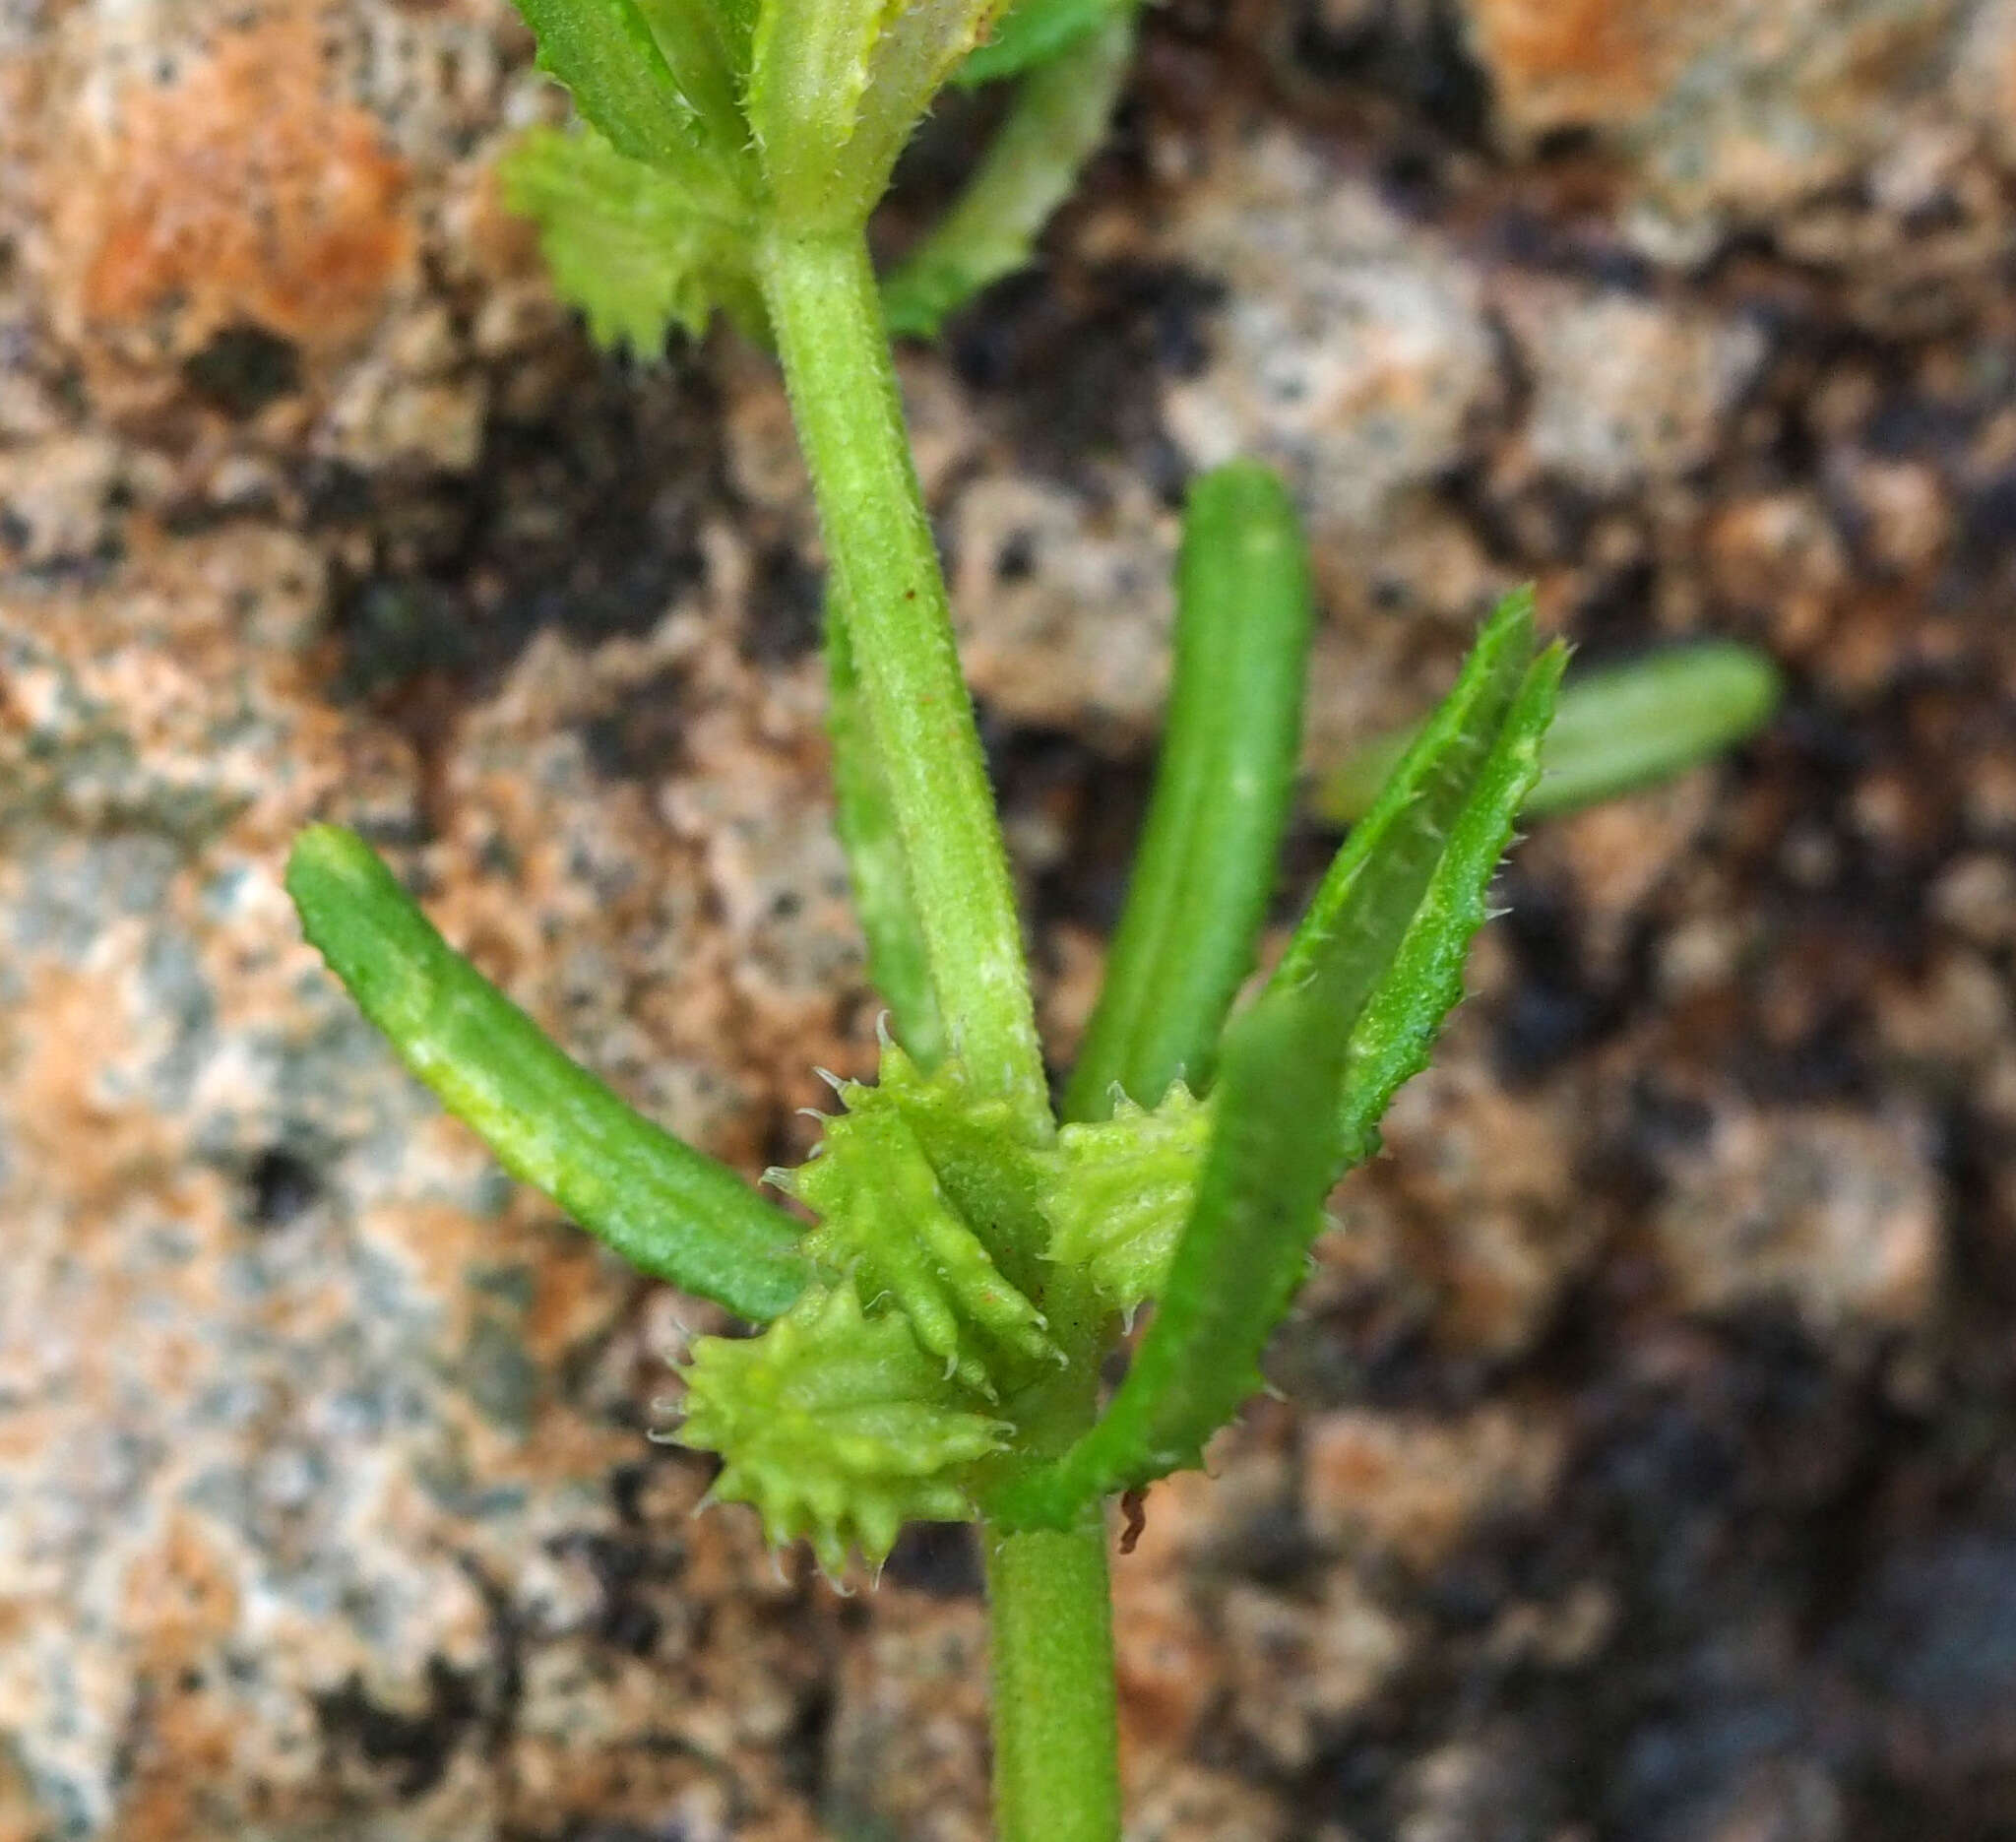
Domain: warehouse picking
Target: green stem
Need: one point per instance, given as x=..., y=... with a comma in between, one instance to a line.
x=1056, y=1770
x=829, y=334
x=899, y=962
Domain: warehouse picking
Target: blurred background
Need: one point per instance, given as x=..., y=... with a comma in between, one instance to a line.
x=1648, y=1467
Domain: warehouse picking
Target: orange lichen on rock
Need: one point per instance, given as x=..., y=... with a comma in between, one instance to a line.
x=243, y=190
x=1558, y=63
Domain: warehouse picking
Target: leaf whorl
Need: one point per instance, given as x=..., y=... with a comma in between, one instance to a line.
x=862, y=1407
x=1119, y=1191
x=835, y=1427
x=870, y=1402
x=885, y=1218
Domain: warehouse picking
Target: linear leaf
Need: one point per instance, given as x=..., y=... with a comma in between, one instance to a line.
x=1618, y=728
x=1353, y=1014
x=606, y=55
x=1368, y=899
x=1212, y=842
x=1241, y=1255
x=1396, y=1031
x=927, y=40
x=899, y=958
x=1055, y=125
x=706, y=45
x=809, y=69
x=1034, y=32
x=666, y=1208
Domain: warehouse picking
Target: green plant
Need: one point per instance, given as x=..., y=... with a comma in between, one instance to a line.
x=645, y=231
x=932, y=1347
x=1616, y=727
x=1071, y=57
x=934, y=1340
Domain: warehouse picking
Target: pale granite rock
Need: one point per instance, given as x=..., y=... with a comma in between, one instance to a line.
x=1054, y=591
x=1728, y=110
x=1353, y=346
x=326, y=1506
x=299, y=1404
x=1840, y=1216
x=1625, y=392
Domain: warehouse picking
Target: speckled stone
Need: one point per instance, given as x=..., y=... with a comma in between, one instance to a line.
x=1840, y=1216
x=1031, y=559
x=1654, y=1391
x=1403, y=1488
x=1353, y=346
x=302, y=1405
x=1625, y=391
x=1728, y=110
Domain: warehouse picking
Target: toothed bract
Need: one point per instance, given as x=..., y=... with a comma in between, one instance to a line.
x=886, y=1219
x=1119, y=1190
x=837, y=1427
x=990, y=1172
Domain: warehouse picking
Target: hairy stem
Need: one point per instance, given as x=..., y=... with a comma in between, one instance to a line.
x=1057, y=1772
x=829, y=334
x=898, y=961
x=1057, y=1775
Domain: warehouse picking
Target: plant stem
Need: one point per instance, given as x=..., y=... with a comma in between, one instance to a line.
x=1057, y=1775
x=898, y=961
x=829, y=334
x=1056, y=1770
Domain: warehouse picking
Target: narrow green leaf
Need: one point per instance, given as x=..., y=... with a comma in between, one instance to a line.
x=666, y=1208
x=735, y=22
x=625, y=243
x=604, y=52
x=808, y=71
x=1236, y=1267
x=706, y=45
x=1207, y=863
x=1396, y=1031
x=1618, y=728
x=1311, y=1068
x=1368, y=896
x=1626, y=725
x=837, y=87
x=1055, y=124
x=927, y=41
x=1033, y=33
x=899, y=959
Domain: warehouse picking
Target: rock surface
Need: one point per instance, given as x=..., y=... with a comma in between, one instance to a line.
x=1649, y=1472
